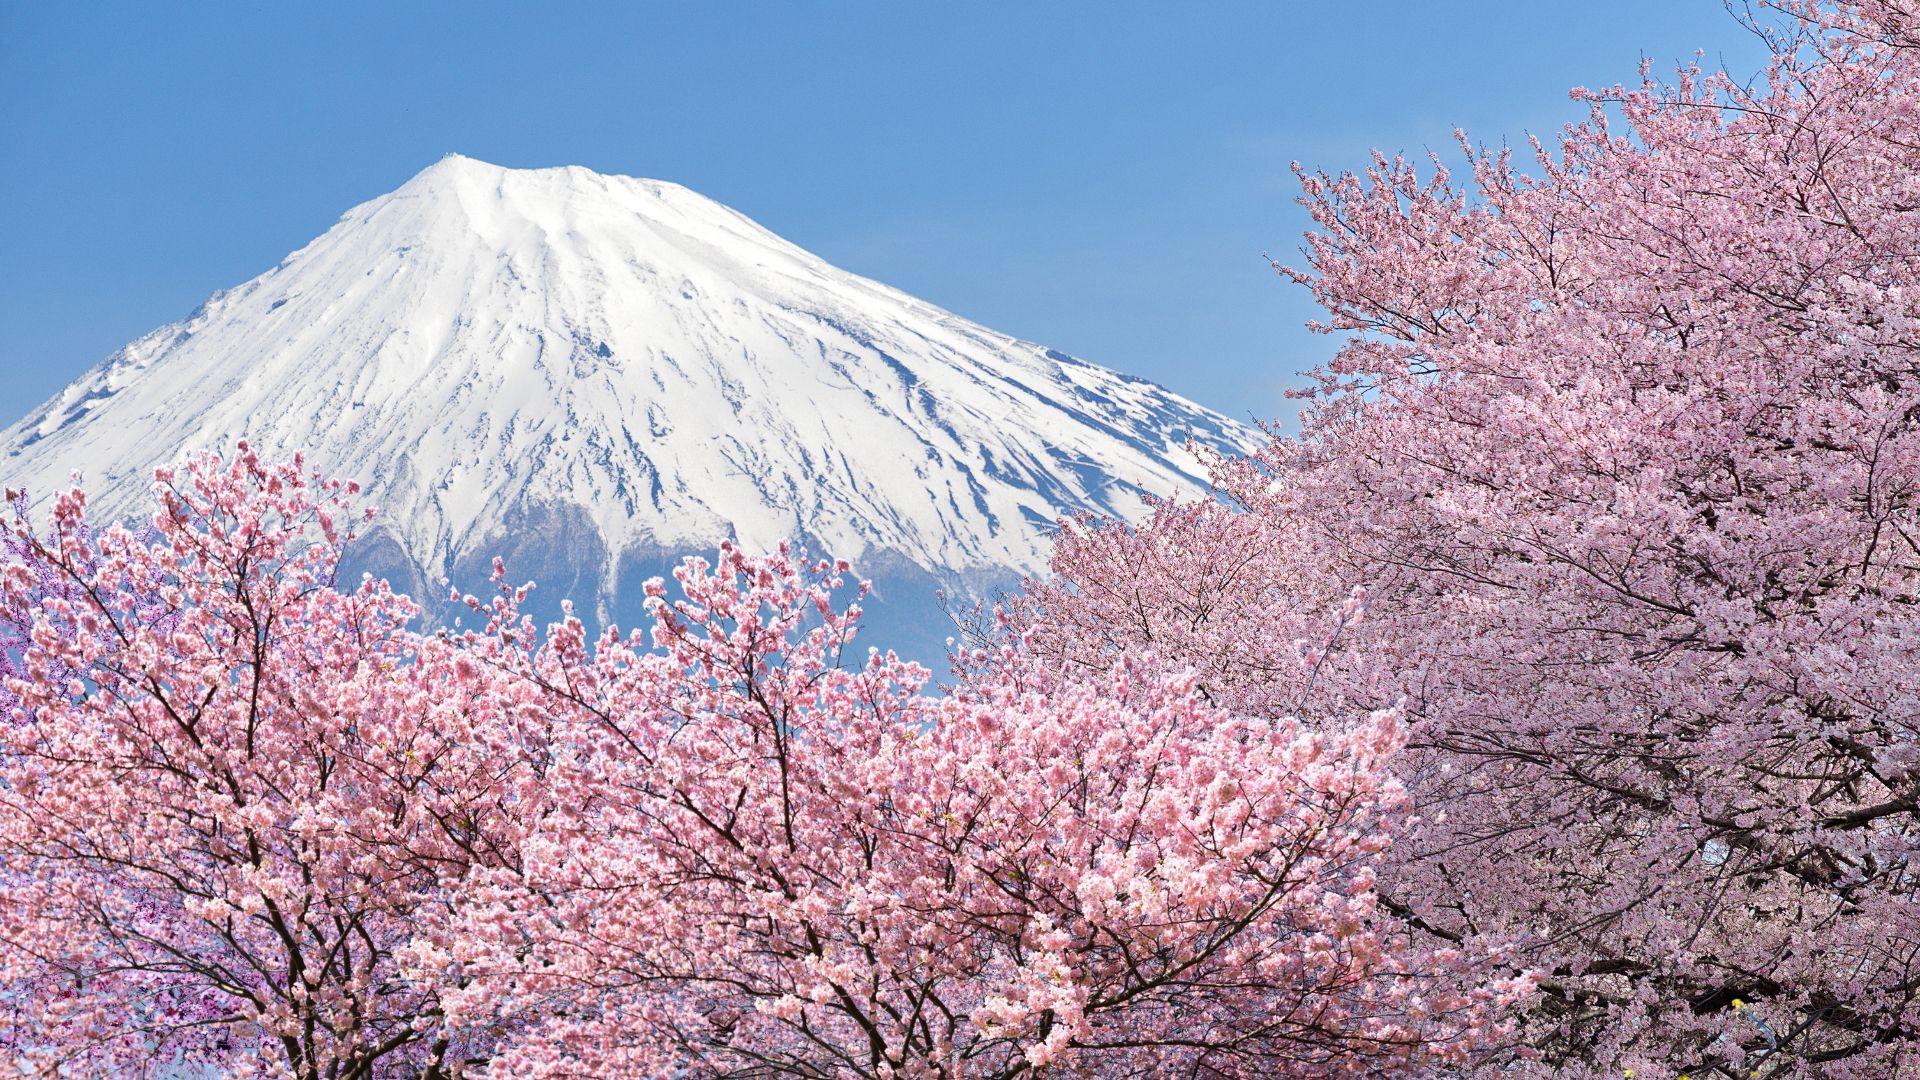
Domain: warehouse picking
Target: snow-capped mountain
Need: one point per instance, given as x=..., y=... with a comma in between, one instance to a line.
x=594, y=374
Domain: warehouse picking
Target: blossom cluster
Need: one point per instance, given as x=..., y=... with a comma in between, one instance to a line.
x=1626, y=451
x=254, y=823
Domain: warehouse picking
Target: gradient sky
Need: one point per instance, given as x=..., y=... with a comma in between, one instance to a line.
x=1098, y=177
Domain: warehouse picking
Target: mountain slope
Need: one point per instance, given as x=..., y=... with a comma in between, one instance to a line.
x=602, y=372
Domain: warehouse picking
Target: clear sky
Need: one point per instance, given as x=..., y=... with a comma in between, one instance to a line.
x=1098, y=177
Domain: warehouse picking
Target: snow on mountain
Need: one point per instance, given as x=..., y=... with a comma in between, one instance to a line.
x=596, y=373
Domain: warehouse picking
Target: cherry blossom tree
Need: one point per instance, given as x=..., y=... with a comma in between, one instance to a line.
x=765, y=863
x=1626, y=452
x=232, y=798
x=253, y=824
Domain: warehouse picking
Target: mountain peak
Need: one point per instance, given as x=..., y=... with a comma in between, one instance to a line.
x=488, y=348
x=455, y=165
x=453, y=162
x=459, y=173
x=575, y=214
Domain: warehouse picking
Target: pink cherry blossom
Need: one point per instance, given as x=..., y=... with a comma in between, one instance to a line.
x=232, y=798
x=1626, y=452
x=762, y=861
x=255, y=824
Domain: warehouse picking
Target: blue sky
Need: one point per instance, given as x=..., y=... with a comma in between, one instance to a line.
x=1099, y=177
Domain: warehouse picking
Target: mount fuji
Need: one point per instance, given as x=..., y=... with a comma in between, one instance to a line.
x=592, y=375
